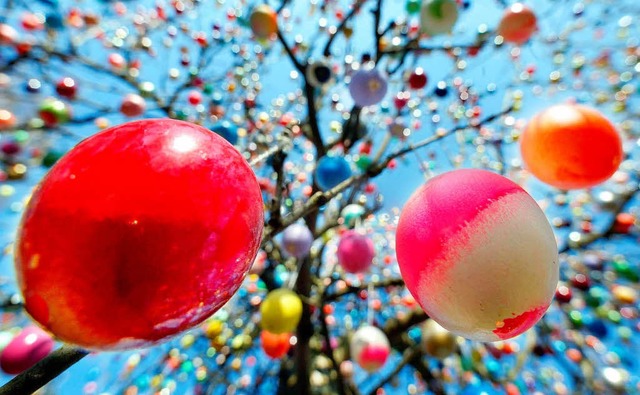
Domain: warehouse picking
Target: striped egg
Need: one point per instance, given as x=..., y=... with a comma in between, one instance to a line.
x=478, y=254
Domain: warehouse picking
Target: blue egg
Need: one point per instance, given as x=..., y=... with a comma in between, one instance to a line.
x=331, y=171
x=227, y=130
x=54, y=21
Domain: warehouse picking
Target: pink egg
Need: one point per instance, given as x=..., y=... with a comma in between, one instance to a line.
x=478, y=254
x=25, y=350
x=370, y=348
x=355, y=252
x=133, y=105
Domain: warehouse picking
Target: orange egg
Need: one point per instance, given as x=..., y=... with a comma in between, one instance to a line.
x=275, y=345
x=264, y=21
x=518, y=24
x=571, y=146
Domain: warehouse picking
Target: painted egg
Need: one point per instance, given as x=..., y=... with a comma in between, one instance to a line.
x=156, y=222
x=417, y=79
x=355, y=252
x=227, y=130
x=133, y=105
x=331, y=171
x=518, y=24
x=351, y=214
x=280, y=311
x=571, y=146
x=369, y=348
x=275, y=345
x=438, y=16
x=7, y=119
x=25, y=350
x=67, y=88
x=318, y=73
x=484, y=265
x=368, y=86
x=264, y=21
x=438, y=342
x=297, y=240
x=54, y=112
x=8, y=35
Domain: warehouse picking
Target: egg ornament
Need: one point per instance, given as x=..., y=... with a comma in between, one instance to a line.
x=7, y=119
x=368, y=85
x=54, y=112
x=67, y=88
x=25, y=350
x=571, y=146
x=297, y=240
x=280, y=311
x=133, y=105
x=369, y=348
x=331, y=170
x=157, y=223
x=227, y=130
x=417, y=79
x=438, y=342
x=264, y=22
x=518, y=24
x=318, y=73
x=351, y=214
x=355, y=252
x=275, y=345
x=483, y=265
x=438, y=16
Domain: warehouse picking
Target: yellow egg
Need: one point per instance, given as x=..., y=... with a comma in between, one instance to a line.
x=281, y=311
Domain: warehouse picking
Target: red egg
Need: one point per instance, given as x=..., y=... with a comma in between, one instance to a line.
x=67, y=88
x=275, y=345
x=133, y=105
x=417, y=79
x=8, y=35
x=138, y=233
x=25, y=350
x=518, y=24
x=571, y=146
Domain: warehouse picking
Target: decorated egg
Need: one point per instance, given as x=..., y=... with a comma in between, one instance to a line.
x=227, y=130
x=438, y=342
x=368, y=85
x=438, y=16
x=331, y=170
x=7, y=119
x=369, y=348
x=264, y=21
x=351, y=213
x=417, y=79
x=297, y=240
x=133, y=105
x=156, y=222
x=54, y=112
x=518, y=24
x=484, y=265
x=280, y=311
x=67, y=88
x=23, y=351
x=355, y=252
x=571, y=146
x=8, y=34
x=318, y=73
x=275, y=345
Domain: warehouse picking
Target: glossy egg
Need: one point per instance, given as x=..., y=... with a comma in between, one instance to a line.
x=280, y=311
x=369, y=348
x=355, y=252
x=264, y=21
x=25, y=350
x=518, y=24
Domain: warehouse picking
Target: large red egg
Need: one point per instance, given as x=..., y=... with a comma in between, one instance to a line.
x=138, y=233
x=571, y=146
x=483, y=265
x=518, y=24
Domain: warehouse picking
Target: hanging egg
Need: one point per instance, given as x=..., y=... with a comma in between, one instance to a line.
x=331, y=171
x=54, y=112
x=147, y=229
x=351, y=213
x=67, y=88
x=368, y=85
x=275, y=345
x=355, y=252
x=264, y=21
x=518, y=24
x=469, y=261
x=25, y=350
x=438, y=16
x=318, y=73
x=133, y=105
x=571, y=146
x=417, y=79
x=297, y=240
x=227, y=130
x=7, y=119
x=370, y=348
x=438, y=342
x=280, y=311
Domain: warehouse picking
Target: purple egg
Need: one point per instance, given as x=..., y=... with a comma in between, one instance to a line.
x=297, y=240
x=368, y=86
x=25, y=350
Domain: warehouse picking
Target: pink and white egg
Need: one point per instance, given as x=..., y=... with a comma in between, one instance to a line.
x=369, y=348
x=478, y=254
